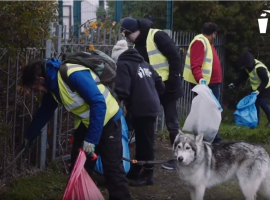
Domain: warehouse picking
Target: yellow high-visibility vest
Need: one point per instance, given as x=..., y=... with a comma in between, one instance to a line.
x=207, y=64
x=158, y=61
x=75, y=104
x=254, y=79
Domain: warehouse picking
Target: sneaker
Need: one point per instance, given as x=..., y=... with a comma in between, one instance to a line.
x=170, y=165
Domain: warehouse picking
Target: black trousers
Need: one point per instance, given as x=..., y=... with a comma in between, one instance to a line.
x=171, y=119
x=111, y=151
x=145, y=138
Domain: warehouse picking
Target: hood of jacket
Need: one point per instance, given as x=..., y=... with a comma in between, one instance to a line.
x=52, y=67
x=247, y=61
x=131, y=55
x=145, y=25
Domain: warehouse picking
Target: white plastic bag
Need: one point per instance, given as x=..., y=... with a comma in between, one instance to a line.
x=205, y=114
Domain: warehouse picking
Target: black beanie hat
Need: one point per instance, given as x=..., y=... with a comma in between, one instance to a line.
x=129, y=25
x=246, y=60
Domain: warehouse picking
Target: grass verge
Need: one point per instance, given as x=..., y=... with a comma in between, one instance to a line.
x=47, y=185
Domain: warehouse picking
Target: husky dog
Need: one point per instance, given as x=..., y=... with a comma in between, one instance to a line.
x=203, y=165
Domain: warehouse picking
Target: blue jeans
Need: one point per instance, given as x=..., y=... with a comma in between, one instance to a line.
x=262, y=102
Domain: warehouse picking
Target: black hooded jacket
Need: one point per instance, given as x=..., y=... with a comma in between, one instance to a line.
x=138, y=84
x=247, y=61
x=167, y=47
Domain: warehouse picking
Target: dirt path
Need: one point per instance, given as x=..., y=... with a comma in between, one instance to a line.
x=168, y=186
x=50, y=185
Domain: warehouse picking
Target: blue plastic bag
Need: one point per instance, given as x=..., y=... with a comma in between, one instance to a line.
x=125, y=139
x=246, y=113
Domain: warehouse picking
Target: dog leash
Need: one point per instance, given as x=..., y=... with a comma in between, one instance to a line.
x=133, y=161
x=140, y=162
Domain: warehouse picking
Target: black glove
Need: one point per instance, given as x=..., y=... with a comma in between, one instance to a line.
x=172, y=83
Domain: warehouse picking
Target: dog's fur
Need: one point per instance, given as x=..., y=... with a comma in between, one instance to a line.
x=203, y=165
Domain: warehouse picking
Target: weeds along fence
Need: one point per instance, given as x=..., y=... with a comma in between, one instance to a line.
x=18, y=106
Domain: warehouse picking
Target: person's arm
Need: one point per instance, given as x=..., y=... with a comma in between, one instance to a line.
x=263, y=75
x=122, y=83
x=160, y=86
x=167, y=47
x=243, y=76
x=196, y=60
x=43, y=115
x=84, y=84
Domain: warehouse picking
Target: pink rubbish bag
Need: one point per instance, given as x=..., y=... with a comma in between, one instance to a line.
x=80, y=185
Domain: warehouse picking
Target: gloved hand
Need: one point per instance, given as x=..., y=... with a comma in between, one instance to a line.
x=172, y=83
x=231, y=86
x=88, y=148
x=202, y=81
x=255, y=92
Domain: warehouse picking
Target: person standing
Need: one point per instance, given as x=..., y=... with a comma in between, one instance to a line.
x=159, y=50
x=139, y=86
x=202, y=64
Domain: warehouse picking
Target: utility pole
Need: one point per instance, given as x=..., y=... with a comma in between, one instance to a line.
x=118, y=11
x=169, y=18
x=60, y=14
x=77, y=16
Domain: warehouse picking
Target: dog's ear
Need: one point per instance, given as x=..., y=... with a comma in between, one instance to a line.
x=199, y=138
x=176, y=140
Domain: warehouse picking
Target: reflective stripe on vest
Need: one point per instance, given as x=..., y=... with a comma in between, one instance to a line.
x=254, y=79
x=75, y=104
x=156, y=58
x=207, y=61
x=86, y=114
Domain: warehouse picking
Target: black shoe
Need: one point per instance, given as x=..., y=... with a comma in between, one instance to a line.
x=134, y=172
x=170, y=165
x=145, y=178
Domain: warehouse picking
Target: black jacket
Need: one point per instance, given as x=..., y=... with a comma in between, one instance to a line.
x=138, y=84
x=166, y=46
x=248, y=62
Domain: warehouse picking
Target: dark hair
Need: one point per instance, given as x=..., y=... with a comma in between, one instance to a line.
x=32, y=72
x=209, y=28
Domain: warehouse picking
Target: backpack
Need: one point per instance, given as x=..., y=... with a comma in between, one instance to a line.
x=100, y=63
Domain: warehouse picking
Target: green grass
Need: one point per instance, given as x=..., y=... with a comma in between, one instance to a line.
x=229, y=131
x=47, y=185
